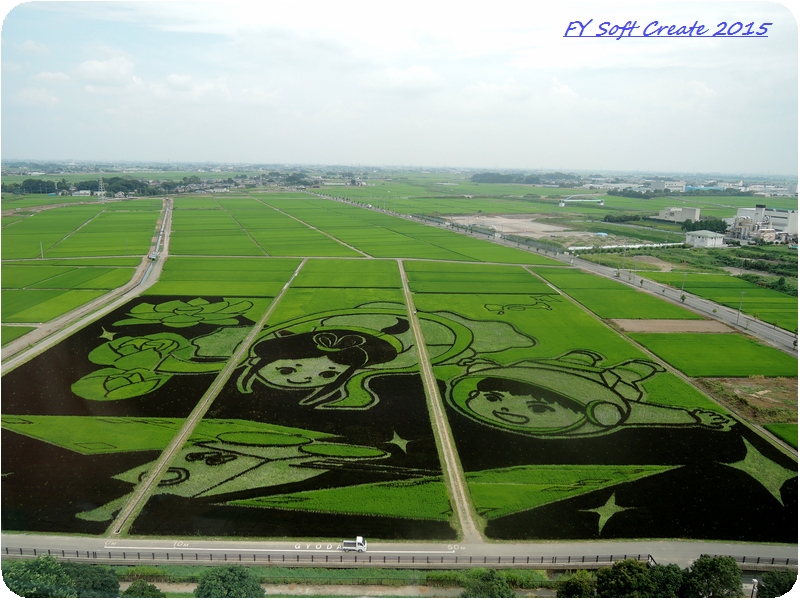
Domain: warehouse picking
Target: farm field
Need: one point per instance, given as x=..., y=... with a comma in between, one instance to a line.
x=765, y=304
x=610, y=299
x=59, y=259
x=459, y=197
x=188, y=276
x=564, y=428
x=38, y=291
x=384, y=236
x=785, y=431
x=718, y=354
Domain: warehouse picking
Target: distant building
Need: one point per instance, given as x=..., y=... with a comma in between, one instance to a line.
x=675, y=186
x=82, y=193
x=679, y=215
x=704, y=239
x=782, y=220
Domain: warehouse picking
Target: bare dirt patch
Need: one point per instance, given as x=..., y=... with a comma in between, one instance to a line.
x=762, y=399
x=652, y=260
x=671, y=326
x=517, y=225
x=525, y=226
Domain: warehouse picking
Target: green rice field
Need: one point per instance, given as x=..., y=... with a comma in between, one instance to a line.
x=765, y=304
x=610, y=300
x=786, y=431
x=321, y=425
x=718, y=355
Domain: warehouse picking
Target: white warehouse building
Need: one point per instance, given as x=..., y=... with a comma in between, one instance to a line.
x=679, y=215
x=704, y=239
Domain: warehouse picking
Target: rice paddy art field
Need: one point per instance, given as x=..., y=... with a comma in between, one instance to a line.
x=564, y=428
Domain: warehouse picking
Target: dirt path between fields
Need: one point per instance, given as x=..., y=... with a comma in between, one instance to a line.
x=335, y=239
x=453, y=474
x=671, y=326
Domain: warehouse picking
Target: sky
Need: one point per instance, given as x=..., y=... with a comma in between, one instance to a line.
x=469, y=83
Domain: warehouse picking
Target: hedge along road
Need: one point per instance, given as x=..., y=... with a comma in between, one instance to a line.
x=49, y=334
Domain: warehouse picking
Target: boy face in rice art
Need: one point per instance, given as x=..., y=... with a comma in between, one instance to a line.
x=505, y=402
x=571, y=396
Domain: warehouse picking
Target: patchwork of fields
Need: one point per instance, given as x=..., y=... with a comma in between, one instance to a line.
x=564, y=428
x=765, y=304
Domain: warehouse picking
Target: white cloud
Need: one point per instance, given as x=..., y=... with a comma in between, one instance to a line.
x=412, y=80
x=179, y=82
x=185, y=88
x=33, y=96
x=117, y=70
x=562, y=92
x=11, y=67
x=31, y=47
x=52, y=77
x=491, y=93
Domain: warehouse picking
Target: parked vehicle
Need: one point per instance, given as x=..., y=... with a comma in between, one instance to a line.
x=359, y=544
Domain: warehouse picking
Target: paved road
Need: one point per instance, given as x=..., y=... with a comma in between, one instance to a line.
x=681, y=553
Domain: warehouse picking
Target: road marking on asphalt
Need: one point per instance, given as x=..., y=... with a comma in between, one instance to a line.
x=263, y=550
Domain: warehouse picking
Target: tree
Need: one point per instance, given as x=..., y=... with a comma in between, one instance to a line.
x=92, y=581
x=712, y=577
x=41, y=577
x=628, y=578
x=486, y=583
x=578, y=585
x=141, y=589
x=666, y=580
x=228, y=582
x=776, y=584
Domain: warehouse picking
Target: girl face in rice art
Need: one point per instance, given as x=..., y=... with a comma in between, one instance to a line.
x=320, y=362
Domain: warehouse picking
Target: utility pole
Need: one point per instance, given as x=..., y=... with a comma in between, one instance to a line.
x=740, y=307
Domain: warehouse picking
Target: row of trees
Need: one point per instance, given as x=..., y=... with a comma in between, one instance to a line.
x=504, y=178
x=647, y=195
x=708, y=577
x=624, y=218
x=716, y=225
x=45, y=577
x=115, y=184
